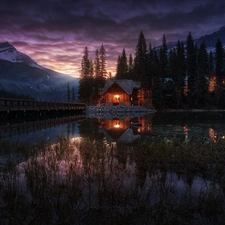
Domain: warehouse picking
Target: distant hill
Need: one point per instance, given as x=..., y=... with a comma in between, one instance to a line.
x=22, y=75
x=209, y=39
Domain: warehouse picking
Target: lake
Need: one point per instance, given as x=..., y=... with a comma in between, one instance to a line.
x=150, y=169
x=183, y=125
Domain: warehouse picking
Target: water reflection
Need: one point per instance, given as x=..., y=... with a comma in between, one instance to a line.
x=119, y=130
x=86, y=179
x=182, y=125
x=48, y=129
x=113, y=171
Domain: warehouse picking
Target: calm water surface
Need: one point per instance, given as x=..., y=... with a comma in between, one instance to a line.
x=183, y=125
x=115, y=167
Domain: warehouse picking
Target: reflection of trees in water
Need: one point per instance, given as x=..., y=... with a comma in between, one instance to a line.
x=187, y=124
x=90, y=128
x=121, y=154
x=86, y=179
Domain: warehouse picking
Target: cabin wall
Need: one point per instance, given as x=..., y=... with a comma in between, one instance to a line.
x=117, y=96
x=117, y=99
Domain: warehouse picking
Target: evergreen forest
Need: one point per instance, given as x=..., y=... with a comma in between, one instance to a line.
x=186, y=76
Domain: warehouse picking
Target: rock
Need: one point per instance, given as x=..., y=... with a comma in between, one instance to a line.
x=117, y=111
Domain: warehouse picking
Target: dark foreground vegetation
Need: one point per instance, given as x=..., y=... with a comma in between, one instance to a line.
x=84, y=182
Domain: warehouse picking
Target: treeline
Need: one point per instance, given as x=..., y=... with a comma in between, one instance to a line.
x=10, y=94
x=92, y=75
x=186, y=76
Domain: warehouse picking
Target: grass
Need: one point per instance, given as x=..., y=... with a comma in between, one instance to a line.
x=91, y=182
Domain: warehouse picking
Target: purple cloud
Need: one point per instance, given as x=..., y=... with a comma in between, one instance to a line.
x=55, y=32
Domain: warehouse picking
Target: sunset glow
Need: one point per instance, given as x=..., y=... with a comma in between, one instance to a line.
x=55, y=33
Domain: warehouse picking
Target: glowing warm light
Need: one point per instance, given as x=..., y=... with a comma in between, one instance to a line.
x=212, y=135
x=116, y=124
x=76, y=139
x=212, y=83
x=116, y=96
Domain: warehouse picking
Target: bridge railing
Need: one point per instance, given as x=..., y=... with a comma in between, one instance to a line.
x=8, y=105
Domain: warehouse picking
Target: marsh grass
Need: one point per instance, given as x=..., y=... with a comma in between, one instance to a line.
x=91, y=182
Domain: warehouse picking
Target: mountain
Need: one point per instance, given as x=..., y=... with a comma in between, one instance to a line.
x=22, y=75
x=209, y=39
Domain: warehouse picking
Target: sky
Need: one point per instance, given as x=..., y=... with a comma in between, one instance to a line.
x=54, y=33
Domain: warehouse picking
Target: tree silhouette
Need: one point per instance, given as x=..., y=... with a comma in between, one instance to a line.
x=140, y=61
x=86, y=79
x=191, y=67
x=122, y=66
x=220, y=72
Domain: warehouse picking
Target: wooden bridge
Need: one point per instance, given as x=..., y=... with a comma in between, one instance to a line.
x=20, y=105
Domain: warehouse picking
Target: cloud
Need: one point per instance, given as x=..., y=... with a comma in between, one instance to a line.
x=55, y=32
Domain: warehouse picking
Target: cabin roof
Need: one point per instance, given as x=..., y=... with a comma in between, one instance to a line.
x=122, y=136
x=126, y=85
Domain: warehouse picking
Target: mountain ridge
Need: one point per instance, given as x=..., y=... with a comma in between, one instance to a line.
x=209, y=39
x=21, y=74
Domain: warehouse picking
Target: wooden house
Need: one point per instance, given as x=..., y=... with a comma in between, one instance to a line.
x=120, y=92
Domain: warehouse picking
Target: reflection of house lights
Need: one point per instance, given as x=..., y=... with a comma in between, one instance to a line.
x=117, y=126
x=212, y=135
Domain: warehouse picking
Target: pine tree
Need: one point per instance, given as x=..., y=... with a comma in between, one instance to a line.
x=97, y=78
x=164, y=59
x=150, y=60
x=219, y=62
x=86, y=81
x=130, y=67
x=211, y=64
x=191, y=67
x=171, y=94
x=140, y=62
x=85, y=65
x=180, y=75
x=202, y=77
x=157, y=88
x=220, y=72
x=124, y=64
x=102, y=66
x=91, y=69
x=73, y=94
x=97, y=64
x=130, y=64
x=212, y=79
x=122, y=67
x=68, y=92
x=119, y=68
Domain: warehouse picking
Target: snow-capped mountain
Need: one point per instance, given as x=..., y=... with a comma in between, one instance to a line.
x=9, y=53
x=22, y=75
x=209, y=39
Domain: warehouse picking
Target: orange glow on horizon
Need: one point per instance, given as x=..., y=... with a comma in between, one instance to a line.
x=63, y=57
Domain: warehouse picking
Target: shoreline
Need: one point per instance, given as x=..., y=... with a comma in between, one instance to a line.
x=117, y=111
x=192, y=110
